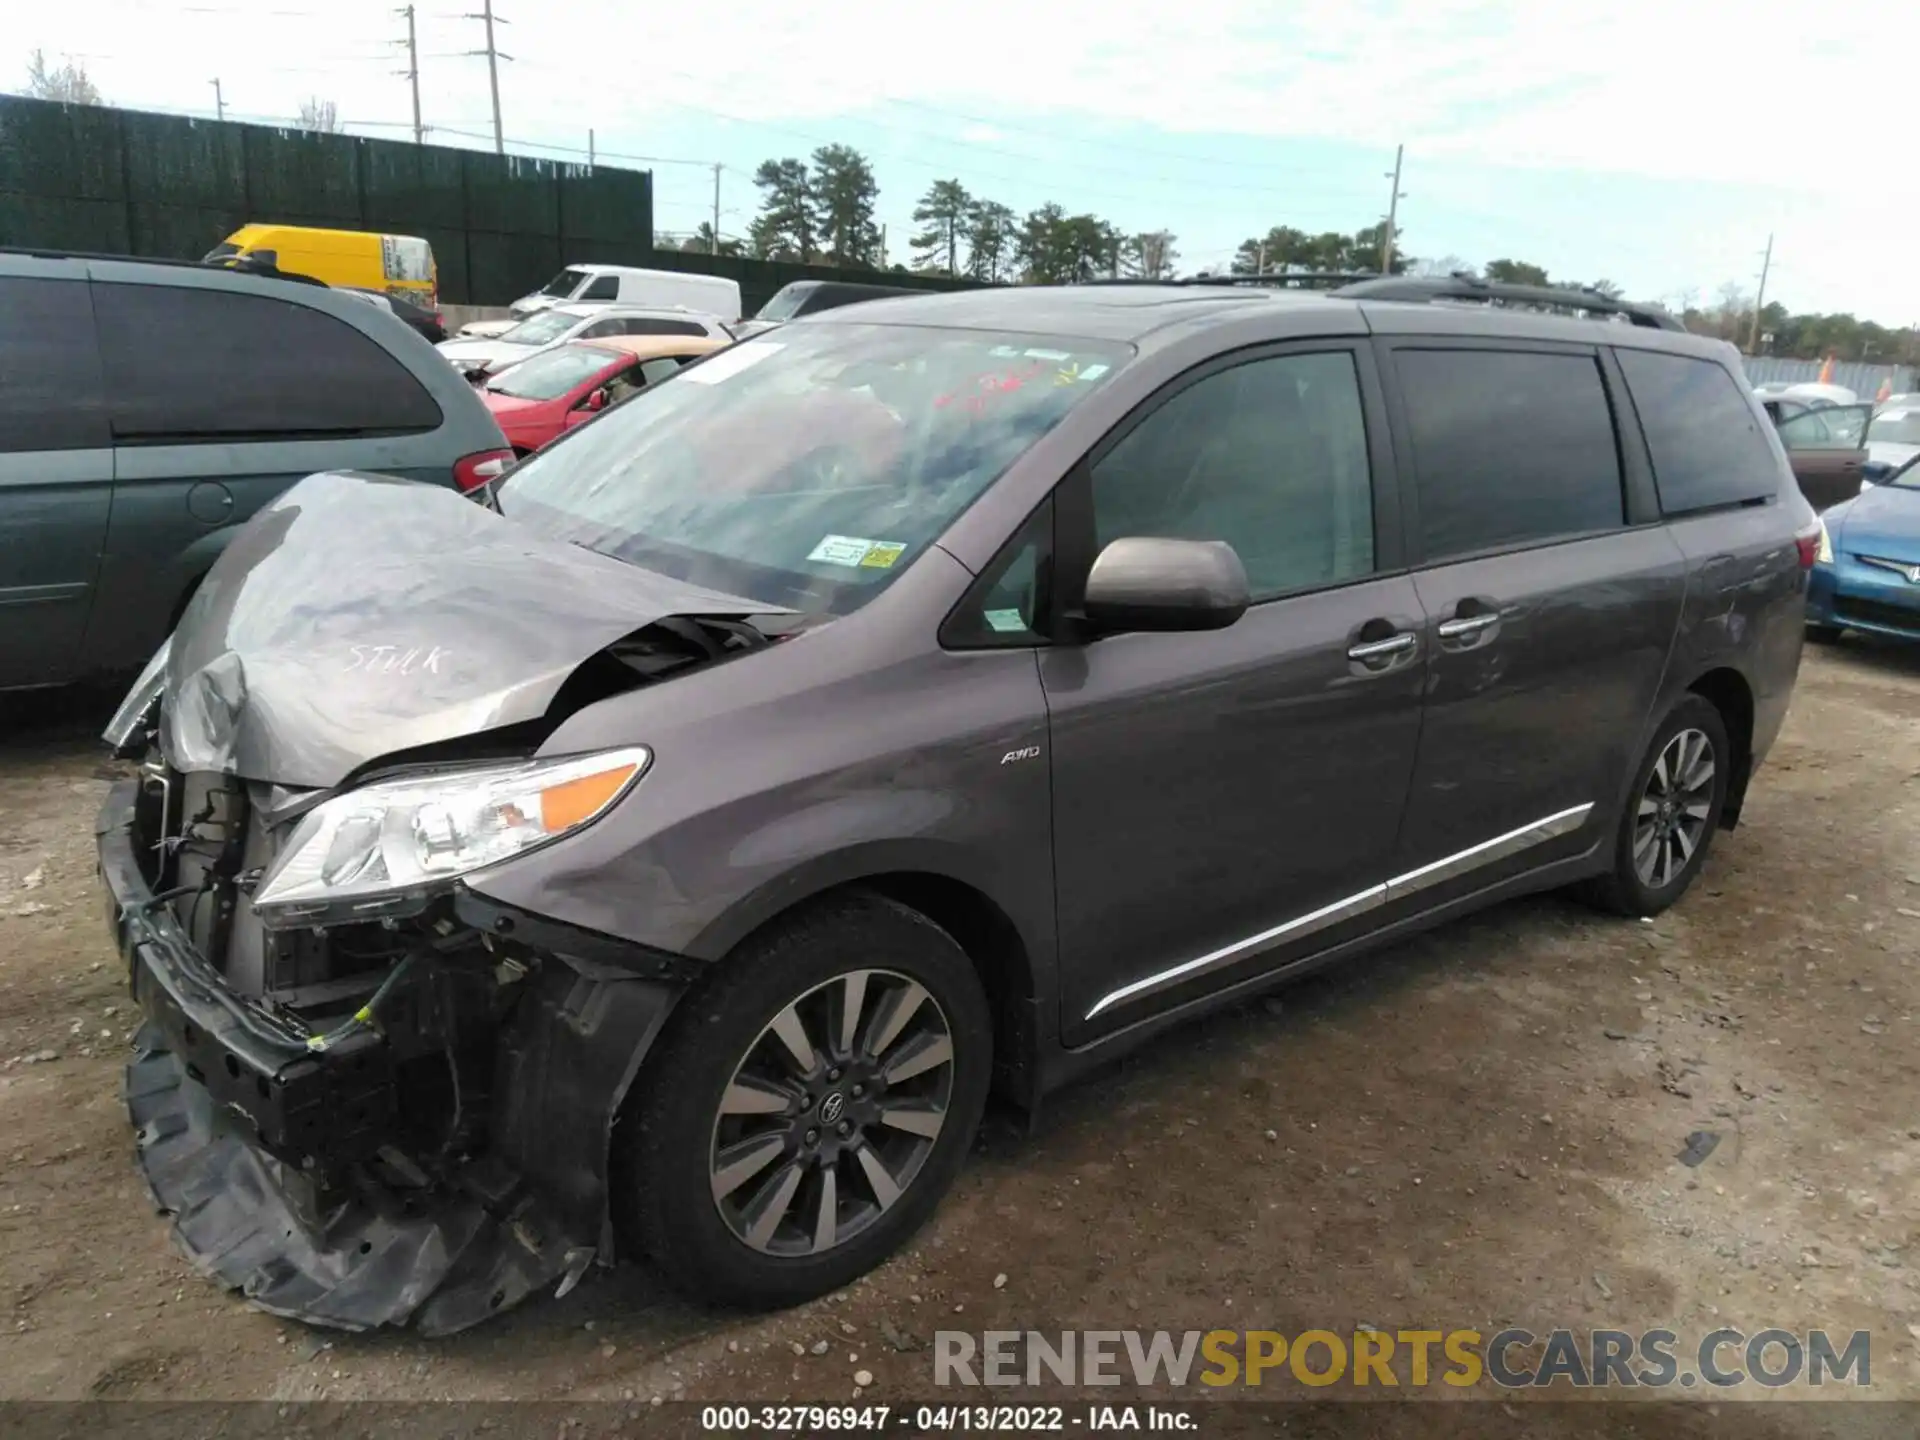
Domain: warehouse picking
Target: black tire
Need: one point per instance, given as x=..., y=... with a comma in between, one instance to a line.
x=1624, y=889
x=669, y=1146
x=1823, y=634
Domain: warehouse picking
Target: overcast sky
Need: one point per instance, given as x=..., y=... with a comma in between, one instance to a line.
x=1651, y=142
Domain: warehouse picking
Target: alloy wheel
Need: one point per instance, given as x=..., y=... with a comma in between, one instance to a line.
x=831, y=1113
x=1673, y=812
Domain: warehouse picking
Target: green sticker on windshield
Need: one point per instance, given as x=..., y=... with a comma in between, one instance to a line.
x=1004, y=620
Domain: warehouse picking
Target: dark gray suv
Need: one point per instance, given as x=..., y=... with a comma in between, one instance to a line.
x=668, y=855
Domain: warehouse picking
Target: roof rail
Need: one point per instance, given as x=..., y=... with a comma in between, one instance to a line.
x=1462, y=286
x=243, y=264
x=1278, y=279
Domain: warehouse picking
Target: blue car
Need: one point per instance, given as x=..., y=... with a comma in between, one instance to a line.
x=1867, y=576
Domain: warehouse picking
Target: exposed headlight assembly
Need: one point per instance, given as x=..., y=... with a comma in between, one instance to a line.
x=135, y=715
x=1824, y=555
x=385, y=849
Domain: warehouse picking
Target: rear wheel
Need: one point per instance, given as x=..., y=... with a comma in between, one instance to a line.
x=813, y=1103
x=1672, y=812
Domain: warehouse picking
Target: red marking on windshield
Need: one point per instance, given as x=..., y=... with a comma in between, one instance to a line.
x=977, y=394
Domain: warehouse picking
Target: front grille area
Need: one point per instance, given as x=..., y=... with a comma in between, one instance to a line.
x=1848, y=611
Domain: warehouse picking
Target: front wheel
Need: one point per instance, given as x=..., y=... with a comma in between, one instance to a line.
x=813, y=1102
x=1672, y=812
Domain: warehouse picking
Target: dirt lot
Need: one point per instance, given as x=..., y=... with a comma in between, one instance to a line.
x=1476, y=1129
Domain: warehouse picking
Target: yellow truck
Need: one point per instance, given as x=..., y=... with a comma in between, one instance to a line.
x=397, y=265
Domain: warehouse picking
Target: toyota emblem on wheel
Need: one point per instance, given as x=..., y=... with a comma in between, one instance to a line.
x=831, y=1107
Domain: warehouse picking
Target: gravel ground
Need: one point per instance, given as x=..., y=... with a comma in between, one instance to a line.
x=1478, y=1128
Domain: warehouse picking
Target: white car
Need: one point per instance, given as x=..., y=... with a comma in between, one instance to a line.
x=1893, y=438
x=634, y=285
x=1821, y=396
x=475, y=356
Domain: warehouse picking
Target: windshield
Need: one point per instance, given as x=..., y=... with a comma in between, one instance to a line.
x=1901, y=427
x=541, y=329
x=786, y=300
x=565, y=283
x=806, y=471
x=552, y=373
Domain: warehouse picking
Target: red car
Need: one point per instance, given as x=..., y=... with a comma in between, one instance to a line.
x=547, y=394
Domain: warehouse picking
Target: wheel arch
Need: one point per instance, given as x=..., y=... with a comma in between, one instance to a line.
x=935, y=882
x=1731, y=693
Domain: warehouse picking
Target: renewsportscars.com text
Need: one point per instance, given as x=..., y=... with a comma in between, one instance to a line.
x=1510, y=1359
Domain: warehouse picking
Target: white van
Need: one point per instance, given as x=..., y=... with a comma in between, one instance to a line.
x=630, y=285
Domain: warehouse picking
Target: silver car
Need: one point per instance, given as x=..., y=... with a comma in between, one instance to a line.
x=562, y=323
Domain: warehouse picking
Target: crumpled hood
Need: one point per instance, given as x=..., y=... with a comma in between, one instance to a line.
x=358, y=615
x=1882, y=521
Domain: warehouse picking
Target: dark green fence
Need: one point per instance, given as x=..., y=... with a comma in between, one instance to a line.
x=128, y=182
x=82, y=177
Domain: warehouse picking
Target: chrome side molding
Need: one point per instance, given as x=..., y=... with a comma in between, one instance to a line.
x=1537, y=832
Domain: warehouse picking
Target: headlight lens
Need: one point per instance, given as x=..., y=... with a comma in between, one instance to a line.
x=131, y=718
x=384, y=848
x=1824, y=556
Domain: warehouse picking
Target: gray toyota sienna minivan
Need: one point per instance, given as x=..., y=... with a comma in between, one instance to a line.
x=667, y=855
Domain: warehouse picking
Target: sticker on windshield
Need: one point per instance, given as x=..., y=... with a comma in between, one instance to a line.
x=725, y=364
x=1048, y=355
x=1005, y=620
x=856, y=553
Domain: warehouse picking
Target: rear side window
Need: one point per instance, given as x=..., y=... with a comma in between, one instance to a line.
x=186, y=364
x=655, y=370
x=1703, y=438
x=1509, y=448
x=604, y=287
x=50, y=393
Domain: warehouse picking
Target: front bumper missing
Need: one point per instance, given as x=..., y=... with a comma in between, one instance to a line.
x=224, y=1095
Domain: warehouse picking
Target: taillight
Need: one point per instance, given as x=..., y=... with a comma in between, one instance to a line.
x=470, y=472
x=1813, y=545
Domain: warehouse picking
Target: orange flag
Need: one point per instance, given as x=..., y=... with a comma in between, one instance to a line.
x=1826, y=371
x=1886, y=390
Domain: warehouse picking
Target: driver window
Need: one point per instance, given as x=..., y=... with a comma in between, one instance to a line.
x=1807, y=432
x=1269, y=456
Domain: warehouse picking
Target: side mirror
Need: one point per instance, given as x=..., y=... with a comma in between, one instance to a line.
x=597, y=401
x=1141, y=583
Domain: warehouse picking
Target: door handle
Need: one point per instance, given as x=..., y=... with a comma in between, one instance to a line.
x=1462, y=626
x=1383, y=649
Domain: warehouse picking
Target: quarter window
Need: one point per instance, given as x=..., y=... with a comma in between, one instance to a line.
x=1269, y=456
x=1509, y=448
x=186, y=363
x=1702, y=436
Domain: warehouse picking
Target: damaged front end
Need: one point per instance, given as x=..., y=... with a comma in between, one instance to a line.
x=364, y=1123
x=366, y=1095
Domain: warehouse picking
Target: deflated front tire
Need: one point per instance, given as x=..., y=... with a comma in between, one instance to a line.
x=812, y=1103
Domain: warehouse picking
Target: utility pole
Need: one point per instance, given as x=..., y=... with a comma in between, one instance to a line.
x=412, y=73
x=494, y=56
x=1260, y=268
x=219, y=100
x=1760, y=299
x=589, y=149
x=1387, y=236
x=714, y=247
